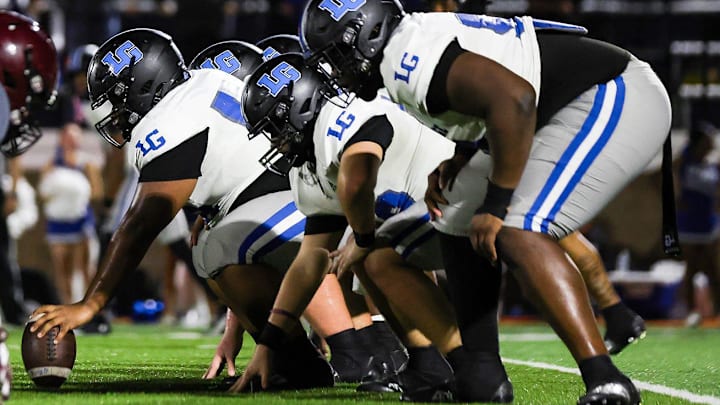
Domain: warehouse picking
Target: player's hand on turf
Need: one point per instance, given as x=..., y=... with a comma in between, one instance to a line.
x=347, y=256
x=260, y=366
x=483, y=232
x=67, y=317
x=226, y=352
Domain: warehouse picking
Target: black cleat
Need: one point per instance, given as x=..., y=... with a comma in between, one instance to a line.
x=414, y=386
x=481, y=377
x=619, y=335
x=380, y=377
x=612, y=393
x=300, y=366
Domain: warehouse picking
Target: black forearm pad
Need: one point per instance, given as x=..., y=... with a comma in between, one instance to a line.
x=272, y=336
x=496, y=201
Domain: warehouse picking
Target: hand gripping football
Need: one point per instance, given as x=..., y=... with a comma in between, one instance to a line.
x=48, y=364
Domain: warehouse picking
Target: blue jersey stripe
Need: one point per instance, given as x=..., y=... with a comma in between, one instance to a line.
x=592, y=154
x=566, y=156
x=262, y=229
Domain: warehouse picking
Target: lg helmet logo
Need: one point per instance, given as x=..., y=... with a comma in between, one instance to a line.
x=122, y=57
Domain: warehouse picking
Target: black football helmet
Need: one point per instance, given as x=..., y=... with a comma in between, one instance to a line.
x=281, y=100
x=235, y=57
x=28, y=74
x=278, y=44
x=132, y=71
x=348, y=37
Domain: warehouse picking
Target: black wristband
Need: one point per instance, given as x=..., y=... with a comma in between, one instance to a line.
x=465, y=149
x=272, y=336
x=496, y=201
x=364, y=240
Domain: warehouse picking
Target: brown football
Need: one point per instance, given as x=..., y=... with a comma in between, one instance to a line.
x=48, y=364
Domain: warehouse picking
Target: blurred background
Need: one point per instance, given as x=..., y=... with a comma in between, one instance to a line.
x=679, y=38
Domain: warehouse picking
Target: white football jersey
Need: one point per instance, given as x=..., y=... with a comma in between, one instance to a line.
x=415, y=151
x=417, y=44
x=208, y=99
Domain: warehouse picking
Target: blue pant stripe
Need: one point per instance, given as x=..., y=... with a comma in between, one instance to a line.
x=417, y=242
x=566, y=156
x=262, y=229
x=592, y=154
x=410, y=229
x=290, y=233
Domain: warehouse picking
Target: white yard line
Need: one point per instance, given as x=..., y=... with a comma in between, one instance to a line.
x=660, y=389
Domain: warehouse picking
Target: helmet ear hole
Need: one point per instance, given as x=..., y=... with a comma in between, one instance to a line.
x=375, y=32
x=305, y=106
x=146, y=87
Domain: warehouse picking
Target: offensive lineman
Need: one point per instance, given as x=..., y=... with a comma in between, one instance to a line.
x=188, y=134
x=346, y=162
x=564, y=138
x=245, y=261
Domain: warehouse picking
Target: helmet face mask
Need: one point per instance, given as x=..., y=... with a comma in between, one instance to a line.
x=116, y=127
x=131, y=72
x=345, y=40
x=30, y=68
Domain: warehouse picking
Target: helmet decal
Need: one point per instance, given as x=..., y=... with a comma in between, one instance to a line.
x=269, y=53
x=275, y=45
x=279, y=78
x=338, y=8
x=225, y=61
x=122, y=57
x=237, y=58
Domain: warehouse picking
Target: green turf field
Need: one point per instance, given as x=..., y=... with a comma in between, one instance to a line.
x=153, y=364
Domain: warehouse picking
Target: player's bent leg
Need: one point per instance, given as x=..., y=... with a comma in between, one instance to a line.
x=249, y=291
x=474, y=286
x=427, y=377
x=551, y=282
x=623, y=325
x=330, y=318
x=409, y=289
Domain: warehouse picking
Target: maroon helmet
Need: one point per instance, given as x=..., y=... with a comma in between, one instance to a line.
x=28, y=72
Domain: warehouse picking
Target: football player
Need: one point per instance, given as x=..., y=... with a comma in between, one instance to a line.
x=564, y=137
x=29, y=62
x=236, y=245
x=356, y=165
x=190, y=144
x=372, y=324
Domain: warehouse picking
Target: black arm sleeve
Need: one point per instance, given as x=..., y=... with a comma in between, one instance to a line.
x=182, y=162
x=325, y=224
x=377, y=129
x=436, y=99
